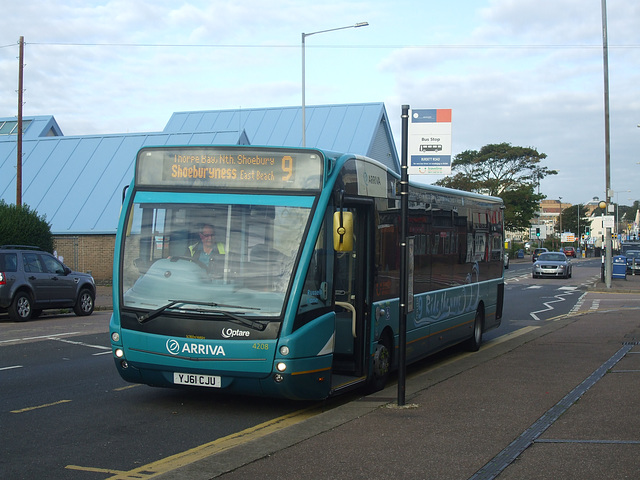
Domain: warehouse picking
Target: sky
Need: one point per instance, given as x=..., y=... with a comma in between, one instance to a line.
x=525, y=72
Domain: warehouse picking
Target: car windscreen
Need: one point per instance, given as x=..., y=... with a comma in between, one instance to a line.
x=552, y=257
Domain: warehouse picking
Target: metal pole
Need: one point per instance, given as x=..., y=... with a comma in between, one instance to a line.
x=404, y=271
x=304, y=124
x=19, y=144
x=605, y=56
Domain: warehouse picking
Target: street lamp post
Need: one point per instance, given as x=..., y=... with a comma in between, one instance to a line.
x=305, y=35
x=560, y=220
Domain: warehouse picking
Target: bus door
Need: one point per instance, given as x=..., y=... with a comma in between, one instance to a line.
x=352, y=298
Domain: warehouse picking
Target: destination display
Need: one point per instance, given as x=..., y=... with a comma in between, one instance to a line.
x=229, y=167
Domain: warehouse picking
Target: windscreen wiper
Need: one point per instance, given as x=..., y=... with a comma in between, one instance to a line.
x=154, y=313
x=238, y=319
x=241, y=320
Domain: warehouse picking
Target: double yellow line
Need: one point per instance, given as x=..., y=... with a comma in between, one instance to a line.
x=208, y=449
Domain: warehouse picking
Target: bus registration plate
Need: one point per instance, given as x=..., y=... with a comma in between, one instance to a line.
x=196, y=380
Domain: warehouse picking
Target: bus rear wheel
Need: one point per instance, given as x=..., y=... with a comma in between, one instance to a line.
x=473, y=344
x=381, y=365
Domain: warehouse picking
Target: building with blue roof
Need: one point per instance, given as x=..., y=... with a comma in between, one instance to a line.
x=77, y=181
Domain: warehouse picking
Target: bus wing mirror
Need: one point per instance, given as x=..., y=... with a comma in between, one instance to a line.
x=343, y=231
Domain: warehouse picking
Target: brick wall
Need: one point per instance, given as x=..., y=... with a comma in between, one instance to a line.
x=85, y=253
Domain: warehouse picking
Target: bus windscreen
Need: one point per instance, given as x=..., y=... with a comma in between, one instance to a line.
x=223, y=167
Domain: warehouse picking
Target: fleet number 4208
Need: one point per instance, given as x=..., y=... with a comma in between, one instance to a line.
x=261, y=346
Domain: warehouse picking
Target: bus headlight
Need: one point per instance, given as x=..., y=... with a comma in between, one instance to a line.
x=281, y=366
x=119, y=353
x=284, y=350
x=115, y=336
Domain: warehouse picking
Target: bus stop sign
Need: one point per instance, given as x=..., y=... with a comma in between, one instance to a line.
x=429, y=141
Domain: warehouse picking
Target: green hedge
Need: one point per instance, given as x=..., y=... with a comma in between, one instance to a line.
x=23, y=226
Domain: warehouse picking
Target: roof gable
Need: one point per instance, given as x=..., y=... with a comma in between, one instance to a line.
x=32, y=128
x=360, y=128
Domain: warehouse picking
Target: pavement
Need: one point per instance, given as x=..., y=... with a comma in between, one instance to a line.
x=554, y=401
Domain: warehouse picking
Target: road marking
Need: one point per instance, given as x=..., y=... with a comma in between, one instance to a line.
x=82, y=344
x=509, y=336
x=127, y=387
x=491, y=343
x=41, y=337
x=10, y=367
x=97, y=470
x=28, y=409
x=578, y=304
x=559, y=298
x=212, y=448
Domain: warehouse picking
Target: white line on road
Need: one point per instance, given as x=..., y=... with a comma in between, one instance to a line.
x=11, y=367
x=41, y=337
x=100, y=347
x=560, y=298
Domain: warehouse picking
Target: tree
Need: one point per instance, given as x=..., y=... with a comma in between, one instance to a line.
x=570, y=220
x=506, y=171
x=521, y=205
x=23, y=226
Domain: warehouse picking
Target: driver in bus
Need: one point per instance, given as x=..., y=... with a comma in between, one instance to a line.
x=207, y=251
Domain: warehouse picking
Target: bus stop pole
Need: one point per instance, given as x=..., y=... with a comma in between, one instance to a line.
x=404, y=297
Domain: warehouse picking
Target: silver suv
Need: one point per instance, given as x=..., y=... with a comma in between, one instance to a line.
x=32, y=280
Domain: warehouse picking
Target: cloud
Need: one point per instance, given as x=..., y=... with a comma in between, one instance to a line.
x=527, y=72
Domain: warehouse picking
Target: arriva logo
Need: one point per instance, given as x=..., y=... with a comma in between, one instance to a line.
x=230, y=333
x=173, y=347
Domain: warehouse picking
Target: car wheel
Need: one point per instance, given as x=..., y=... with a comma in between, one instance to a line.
x=85, y=303
x=21, y=309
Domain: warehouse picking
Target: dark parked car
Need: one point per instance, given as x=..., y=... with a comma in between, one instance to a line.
x=552, y=264
x=537, y=252
x=633, y=261
x=32, y=280
x=569, y=251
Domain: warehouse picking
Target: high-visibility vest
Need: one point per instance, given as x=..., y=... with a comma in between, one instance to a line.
x=218, y=245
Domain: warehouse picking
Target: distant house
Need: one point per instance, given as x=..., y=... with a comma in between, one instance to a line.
x=77, y=181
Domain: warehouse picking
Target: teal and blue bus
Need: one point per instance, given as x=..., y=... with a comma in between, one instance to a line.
x=298, y=296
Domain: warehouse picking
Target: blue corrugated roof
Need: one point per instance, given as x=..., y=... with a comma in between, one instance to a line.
x=350, y=128
x=77, y=181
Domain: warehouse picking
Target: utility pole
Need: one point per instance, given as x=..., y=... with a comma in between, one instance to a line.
x=605, y=60
x=19, y=146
